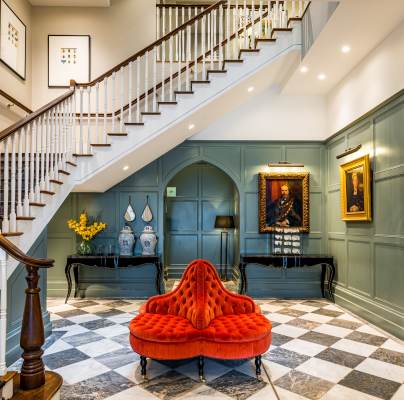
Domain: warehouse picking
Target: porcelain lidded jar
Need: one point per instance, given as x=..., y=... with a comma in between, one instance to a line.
x=148, y=240
x=126, y=241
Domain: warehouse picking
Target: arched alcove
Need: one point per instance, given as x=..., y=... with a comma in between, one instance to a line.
x=202, y=191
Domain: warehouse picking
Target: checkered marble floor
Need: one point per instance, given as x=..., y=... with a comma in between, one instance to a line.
x=319, y=351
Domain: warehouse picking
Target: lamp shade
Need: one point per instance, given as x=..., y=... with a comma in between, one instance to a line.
x=224, y=222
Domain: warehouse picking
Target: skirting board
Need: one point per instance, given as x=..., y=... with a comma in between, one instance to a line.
x=385, y=318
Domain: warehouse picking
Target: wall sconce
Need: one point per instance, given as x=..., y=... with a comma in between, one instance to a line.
x=348, y=151
x=285, y=164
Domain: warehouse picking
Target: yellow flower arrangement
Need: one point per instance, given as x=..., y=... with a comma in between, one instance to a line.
x=87, y=232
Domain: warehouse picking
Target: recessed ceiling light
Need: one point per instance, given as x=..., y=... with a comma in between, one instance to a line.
x=345, y=49
x=126, y=167
x=191, y=126
x=303, y=69
x=321, y=77
x=250, y=89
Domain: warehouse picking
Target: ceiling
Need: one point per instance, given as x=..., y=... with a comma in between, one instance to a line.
x=71, y=3
x=360, y=24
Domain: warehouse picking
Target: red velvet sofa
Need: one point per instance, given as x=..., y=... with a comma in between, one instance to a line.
x=200, y=318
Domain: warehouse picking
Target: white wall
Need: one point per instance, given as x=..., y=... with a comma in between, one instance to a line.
x=376, y=78
x=9, y=81
x=271, y=116
x=117, y=32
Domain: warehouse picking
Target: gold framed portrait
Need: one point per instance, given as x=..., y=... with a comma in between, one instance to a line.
x=283, y=201
x=355, y=178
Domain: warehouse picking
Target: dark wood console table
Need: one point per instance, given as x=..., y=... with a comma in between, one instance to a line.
x=289, y=261
x=112, y=262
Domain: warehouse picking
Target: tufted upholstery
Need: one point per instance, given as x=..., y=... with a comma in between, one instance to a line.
x=200, y=314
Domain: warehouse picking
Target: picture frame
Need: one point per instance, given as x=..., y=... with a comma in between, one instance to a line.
x=355, y=180
x=69, y=57
x=13, y=41
x=284, y=202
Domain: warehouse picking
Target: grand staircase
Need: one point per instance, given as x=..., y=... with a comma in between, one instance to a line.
x=98, y=133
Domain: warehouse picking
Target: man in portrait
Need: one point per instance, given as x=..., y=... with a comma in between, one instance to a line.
x=285, y=211
x=355, y=196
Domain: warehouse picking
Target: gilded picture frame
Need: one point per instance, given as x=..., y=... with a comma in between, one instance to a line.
x=355, y=180
x=283, y=201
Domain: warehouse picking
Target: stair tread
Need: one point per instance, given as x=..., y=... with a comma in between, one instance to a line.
x=47, y=192
x=8, y=376
x=183, y=92
x=168, y=102
x=101, y=144
x=150, y=113
x=36, y=204
x=12, y=234
x=71, y=163
x=22, y=218
x=134, y=123
x=56, y=181
x=82, y=155
x=117, y=134
x=62, y=171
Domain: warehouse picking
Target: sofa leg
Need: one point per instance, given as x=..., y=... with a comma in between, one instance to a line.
x=143, y=364
x=201, y=365
x=258, y=363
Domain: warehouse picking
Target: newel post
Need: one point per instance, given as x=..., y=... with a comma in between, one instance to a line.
x=32, y=335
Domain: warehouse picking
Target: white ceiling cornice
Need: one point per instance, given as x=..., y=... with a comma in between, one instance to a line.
x=71, y=3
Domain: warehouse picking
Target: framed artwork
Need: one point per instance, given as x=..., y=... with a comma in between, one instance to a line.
x=283, y=201
x=355, y=190
x=12, y=40
x=68, y=58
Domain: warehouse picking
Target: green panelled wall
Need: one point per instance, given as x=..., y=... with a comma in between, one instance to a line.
x=240, y=161
x=16, y=285
x=370, y=256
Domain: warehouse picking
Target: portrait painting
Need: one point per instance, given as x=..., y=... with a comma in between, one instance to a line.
x=284, y=201
x=355, y=190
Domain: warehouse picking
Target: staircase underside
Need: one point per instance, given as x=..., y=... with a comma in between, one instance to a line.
x=263, y=69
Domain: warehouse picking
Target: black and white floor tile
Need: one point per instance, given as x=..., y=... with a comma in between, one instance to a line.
x=319, y=352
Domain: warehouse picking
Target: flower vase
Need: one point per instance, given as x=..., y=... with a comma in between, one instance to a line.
x=84, y=248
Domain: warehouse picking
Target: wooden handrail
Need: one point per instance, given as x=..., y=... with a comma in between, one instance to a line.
x=185, y=5
x=15, y=102
x=11, y=249
x=151, y=46
x=24, y=121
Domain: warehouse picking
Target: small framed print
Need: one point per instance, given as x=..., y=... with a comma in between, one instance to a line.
x=355, y=179
x=68, y=58
x=12, y=40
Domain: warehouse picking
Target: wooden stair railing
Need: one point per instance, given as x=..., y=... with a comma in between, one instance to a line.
x=88, y=115
x=15, y=102
x=32, y=375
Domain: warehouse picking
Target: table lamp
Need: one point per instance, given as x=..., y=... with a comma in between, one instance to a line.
x=224, y=222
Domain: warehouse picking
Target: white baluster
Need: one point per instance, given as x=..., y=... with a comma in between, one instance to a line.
x=113, y=101
x=13, y=216
x=237, y=43
x=88, y=120
x=220, y=36
x=48, y=146
x=130, y=91
x=105, y=109
x=183, y=35
x=293, y=11
x=227, y=55
x=211, y=40
x=252, y=24
x=146, y=81
x=74, y=121
x=3, y=311
x=97, y=112
x=163, y=67
x=163, y=28
x=177, y=35
x=121, y=97
x=170, y=56
x=203, y=48
x=187, y=54
x=21, y=139
x=81, y=141
x=154, y=79
x=209, y=35
x=179, y=63
x=26, y=170
x=6, y=222
x=43, y=144
x=32, y=163
x=261, y=25
x=158, y=22
x=65, y=134
x=37, y=194
x=235, y=29
x=196, y=46
x=300, y=8
x=245, y=24
x=138, y=89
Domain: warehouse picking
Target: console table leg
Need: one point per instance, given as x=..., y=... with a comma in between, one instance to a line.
x=323, y=271
x=330, y=282
x=76, y=280
x=69, y=281
x=258, y=363
x=143, y=364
